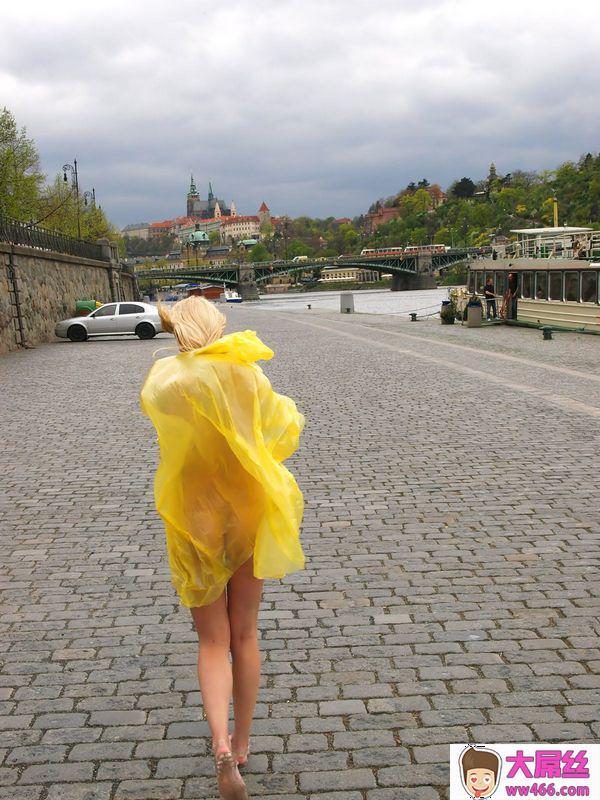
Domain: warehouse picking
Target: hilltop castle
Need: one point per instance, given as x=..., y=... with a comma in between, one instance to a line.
x=211, y=208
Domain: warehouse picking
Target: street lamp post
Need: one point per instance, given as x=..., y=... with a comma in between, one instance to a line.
x=89, y=198
x=286, y=223
x=72, y=168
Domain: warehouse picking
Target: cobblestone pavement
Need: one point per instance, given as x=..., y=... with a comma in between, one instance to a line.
x=451, y=591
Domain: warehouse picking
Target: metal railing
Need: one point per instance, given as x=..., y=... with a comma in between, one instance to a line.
x=557, y=245
x=20, y=233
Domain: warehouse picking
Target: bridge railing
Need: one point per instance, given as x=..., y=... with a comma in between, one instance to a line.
x=20, y=233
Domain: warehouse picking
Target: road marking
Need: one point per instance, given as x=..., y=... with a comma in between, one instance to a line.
x=566, y=403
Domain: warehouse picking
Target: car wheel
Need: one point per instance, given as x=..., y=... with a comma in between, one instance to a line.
x=145, y=331
x=77, y=333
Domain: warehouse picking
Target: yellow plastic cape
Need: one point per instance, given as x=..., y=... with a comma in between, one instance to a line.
x=220, y=487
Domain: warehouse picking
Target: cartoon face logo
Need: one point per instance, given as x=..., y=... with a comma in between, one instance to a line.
x=480, y=770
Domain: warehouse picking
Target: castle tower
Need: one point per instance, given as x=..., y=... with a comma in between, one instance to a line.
x=264, y=215
x=192, y=196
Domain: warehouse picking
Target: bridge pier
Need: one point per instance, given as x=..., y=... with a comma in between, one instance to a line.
x=247, y=286
x=403, y=282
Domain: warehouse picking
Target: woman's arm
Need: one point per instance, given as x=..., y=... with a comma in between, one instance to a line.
x=281, y=422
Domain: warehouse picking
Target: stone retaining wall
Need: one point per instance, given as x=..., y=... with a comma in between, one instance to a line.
x=48, y=285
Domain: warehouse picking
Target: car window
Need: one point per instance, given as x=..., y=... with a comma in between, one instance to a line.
x=105, y=311
x=130, y=308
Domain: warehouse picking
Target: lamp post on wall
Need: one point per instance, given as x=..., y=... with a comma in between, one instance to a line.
x=89, y=198
x=72, y=168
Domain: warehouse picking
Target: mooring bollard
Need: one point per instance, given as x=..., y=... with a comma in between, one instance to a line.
x=547, y=333
x=309, y=306
x=413, y=316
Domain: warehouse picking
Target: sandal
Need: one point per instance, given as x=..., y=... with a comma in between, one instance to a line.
x=230, y=782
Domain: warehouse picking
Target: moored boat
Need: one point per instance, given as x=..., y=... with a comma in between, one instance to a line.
x=548, y=277
x=230, y=296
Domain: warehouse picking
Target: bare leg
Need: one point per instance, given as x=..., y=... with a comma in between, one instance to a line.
x=216, y=683
x=214, y=669
x=243, y=600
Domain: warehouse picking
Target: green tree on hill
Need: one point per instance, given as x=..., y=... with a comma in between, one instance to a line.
x=259, y=253
x=462, y=188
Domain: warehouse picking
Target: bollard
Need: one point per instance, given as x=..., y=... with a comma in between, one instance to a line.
x=413, y=316
x=547, y=333
x=346, y=302
x=308, y=306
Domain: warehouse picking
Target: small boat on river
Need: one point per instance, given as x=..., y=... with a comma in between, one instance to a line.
x=230, y=296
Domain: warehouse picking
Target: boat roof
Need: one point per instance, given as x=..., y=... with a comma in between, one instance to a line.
x=560, y=229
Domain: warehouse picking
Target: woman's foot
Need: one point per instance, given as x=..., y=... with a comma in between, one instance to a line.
x=240, y=750
x=230, y=782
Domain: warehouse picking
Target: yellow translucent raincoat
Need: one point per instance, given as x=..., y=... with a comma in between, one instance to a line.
x=221, y=488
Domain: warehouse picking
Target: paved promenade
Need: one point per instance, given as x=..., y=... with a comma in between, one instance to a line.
x=452, y=485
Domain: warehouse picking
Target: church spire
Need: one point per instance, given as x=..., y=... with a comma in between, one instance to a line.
x=210, y=192
x=193, y=189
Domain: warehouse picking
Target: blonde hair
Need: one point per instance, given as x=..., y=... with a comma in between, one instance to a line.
x=195, y=322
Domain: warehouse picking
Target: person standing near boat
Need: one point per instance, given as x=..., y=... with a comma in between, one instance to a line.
x=231, y=509
x=490, y=298
x=512, y=291
x=509, y=302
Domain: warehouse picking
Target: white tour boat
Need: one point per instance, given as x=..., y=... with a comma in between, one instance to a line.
x=547, y=277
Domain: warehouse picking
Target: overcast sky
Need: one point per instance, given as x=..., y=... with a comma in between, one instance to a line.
x=317, y=107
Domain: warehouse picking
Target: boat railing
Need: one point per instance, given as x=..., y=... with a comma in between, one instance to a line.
x=567, y=245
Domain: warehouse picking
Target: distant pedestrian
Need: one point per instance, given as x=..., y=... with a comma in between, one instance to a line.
x=231, y=509
x=490, y=299
x=509, y=306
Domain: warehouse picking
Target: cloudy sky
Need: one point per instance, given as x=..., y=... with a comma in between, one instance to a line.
x=318, y=107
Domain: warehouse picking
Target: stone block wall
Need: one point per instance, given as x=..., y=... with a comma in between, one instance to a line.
x=48, y=285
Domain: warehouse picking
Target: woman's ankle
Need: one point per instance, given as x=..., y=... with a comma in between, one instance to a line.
x=239, y=743
x=221, y=745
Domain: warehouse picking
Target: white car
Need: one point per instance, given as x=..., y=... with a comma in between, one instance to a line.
x=112, y=318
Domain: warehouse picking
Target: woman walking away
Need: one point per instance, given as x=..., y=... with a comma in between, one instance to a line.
x=231, y=510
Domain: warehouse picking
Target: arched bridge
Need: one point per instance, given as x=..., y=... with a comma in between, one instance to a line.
x=409, y=272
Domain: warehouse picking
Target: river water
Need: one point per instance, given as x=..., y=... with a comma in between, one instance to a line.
x=366, y=301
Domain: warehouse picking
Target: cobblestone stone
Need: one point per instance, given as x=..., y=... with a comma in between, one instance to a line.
x=450, y=593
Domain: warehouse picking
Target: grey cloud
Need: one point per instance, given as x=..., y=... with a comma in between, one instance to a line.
x=316, y=107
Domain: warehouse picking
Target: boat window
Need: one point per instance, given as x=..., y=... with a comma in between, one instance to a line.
x=500, y=282
x=526, y=285
x=541, y=285
x=472, y=281
x=556, y=286
x=478, y=287
x=589, y=287
x=572, y=286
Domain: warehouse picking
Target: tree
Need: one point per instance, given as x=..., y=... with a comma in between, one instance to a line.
x=20, y=176
x=58, y=210
x=259, y=253
x=463, y=188
x=298, y=248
